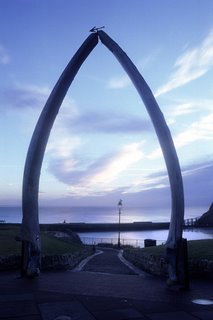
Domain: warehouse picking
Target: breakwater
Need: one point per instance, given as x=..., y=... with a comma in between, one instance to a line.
x=107, y=227
x=91, y=227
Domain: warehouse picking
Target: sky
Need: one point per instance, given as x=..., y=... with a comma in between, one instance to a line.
x=103, y=146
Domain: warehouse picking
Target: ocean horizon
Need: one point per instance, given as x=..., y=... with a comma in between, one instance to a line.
x=96, y=214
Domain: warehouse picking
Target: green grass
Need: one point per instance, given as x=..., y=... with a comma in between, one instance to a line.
x=157, y=251
x=201, y=248
x=197, y=249
x=49, y=244
x=8, y=244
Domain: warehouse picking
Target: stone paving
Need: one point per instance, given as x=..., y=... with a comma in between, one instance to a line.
x=101, y=288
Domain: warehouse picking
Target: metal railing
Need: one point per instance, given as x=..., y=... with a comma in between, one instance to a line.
x=136, y=243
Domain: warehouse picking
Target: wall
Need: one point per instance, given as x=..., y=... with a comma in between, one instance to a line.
x=65, y=261
x=157, y=265
x=53, y=262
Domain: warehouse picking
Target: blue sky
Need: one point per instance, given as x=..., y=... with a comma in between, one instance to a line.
x=103, y=146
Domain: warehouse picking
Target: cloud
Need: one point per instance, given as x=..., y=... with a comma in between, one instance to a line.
x=123, y=81
x=153, y=191
x=4, y=55
x=199, y=130
x=191, y=65
x=149, y=182
x=70, y=119
x=25, y=96
x=62, y=145
x=116, y=165
x=119, y=82
x=98, y=177
x=198, y=184
x=93, y=122
x=33, y=98
x=187, y=107
x=61, y=152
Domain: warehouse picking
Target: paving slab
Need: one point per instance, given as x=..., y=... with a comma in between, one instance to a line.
x=9, y=309
x=27, y=317
x=119, y=314
x=204, y=315
x=16, y=297
x=181, y=315
x=97, y=303
x=73, y=310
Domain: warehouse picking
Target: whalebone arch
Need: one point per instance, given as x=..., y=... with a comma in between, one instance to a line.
x=30, y=222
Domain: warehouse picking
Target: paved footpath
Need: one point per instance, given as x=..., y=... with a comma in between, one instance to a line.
x=101, y=288
x=107, y=261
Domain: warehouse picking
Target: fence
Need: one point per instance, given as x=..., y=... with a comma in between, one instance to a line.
x=137, y=243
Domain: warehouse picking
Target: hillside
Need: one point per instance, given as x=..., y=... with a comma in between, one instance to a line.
x=206, y=220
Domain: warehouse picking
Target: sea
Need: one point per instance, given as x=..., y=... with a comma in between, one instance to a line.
x=92, y=214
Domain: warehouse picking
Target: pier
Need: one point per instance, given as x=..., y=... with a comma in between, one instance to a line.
x=191, y=222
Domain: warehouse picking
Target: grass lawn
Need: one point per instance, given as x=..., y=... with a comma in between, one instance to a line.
x=49, y=244
x=7, y=239
x=201, y=248
x=197, y=249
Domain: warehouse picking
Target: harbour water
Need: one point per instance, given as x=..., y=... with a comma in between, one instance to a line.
x=136, y=238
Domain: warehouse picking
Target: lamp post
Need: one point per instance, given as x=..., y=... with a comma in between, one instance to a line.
x=119, y=222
